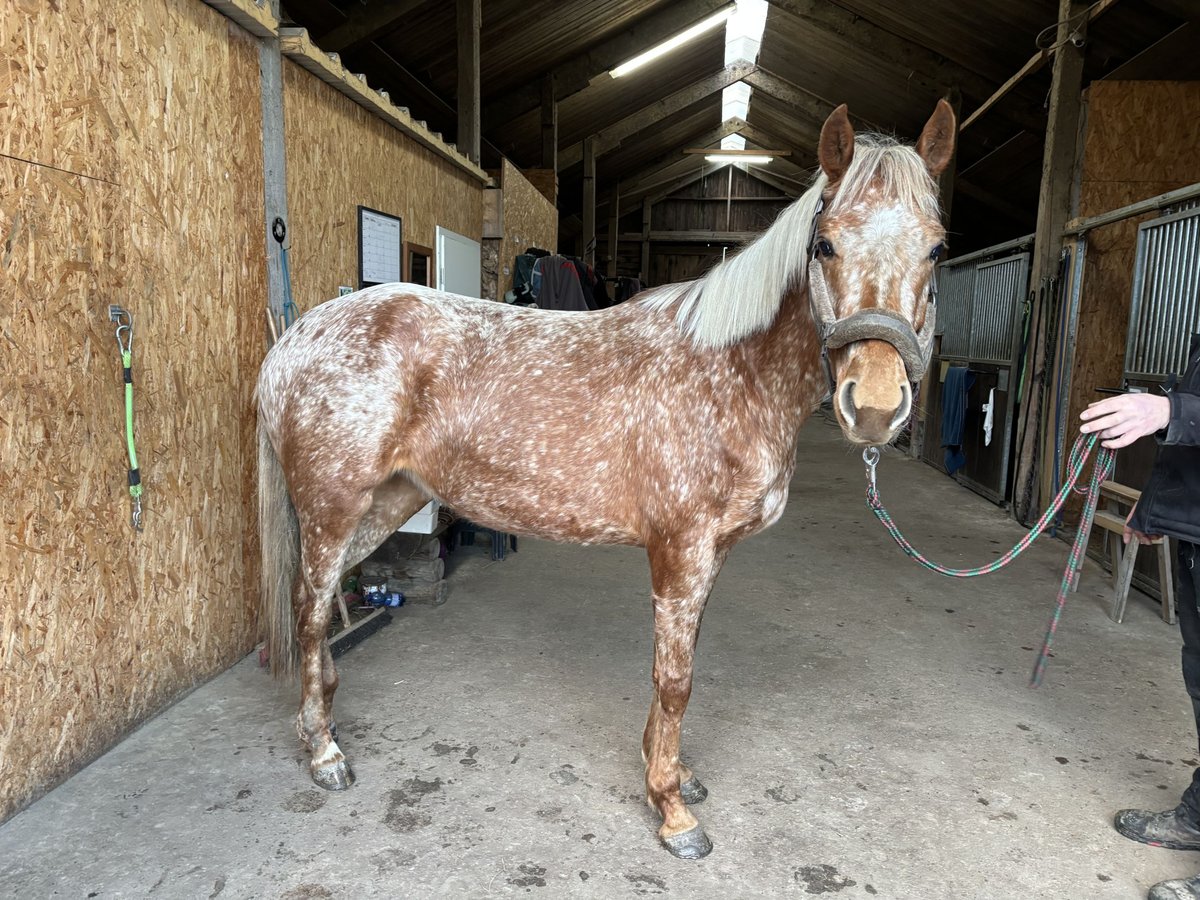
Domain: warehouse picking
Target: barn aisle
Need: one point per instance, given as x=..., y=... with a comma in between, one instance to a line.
x=864, y=727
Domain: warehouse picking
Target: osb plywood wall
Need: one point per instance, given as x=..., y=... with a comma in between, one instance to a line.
x=530, y=220
x=132, y=174
x=340, y=157
x=1140, y=141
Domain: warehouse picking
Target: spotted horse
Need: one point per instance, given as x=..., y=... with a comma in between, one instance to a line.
x=668, y=422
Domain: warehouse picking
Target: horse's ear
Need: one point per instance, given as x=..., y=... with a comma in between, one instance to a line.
x=936, y=144
x=836, y=147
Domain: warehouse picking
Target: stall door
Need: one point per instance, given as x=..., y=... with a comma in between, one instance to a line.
x=979, y=316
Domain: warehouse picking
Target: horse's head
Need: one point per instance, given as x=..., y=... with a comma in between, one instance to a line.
x=875, y=243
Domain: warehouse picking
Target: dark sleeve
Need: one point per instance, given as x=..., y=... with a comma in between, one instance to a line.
x=1184, y=425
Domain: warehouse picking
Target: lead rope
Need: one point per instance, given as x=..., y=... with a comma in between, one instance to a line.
x=125, y=342
x=1101, y=470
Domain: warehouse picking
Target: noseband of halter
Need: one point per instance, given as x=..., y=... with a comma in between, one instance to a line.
x=915, y=347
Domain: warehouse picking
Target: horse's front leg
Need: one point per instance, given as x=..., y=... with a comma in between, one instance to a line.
x=682, y=574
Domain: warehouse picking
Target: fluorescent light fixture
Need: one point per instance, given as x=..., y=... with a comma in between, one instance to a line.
x=751, y=158
x=671, y=43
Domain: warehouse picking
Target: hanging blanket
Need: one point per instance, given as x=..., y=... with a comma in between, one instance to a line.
x=954, y=410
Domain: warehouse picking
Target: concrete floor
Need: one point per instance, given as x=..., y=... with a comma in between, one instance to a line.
x=864, y=727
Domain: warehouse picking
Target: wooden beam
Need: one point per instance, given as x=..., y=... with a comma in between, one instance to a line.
x=647, y=212
x=808, y=105
x=634, y=183
x=614, y=219
x=695, y=237
x=1150, y=204
x=589, y=201
x=1034, y=63
x=1054, y=207
x=666, y=189
x=787, y=186
x=705, y=151
x=651, y=184
x=470, y=20
x=923, y=69
x=670, y=172
x=366, y=25
x=763, y=138
x=1039, y=59
x=573, y=76
x=647, y=116
x=549, y=120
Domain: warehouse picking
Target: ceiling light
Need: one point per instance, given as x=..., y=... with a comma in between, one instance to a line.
x=671, y=43
x=752, y=158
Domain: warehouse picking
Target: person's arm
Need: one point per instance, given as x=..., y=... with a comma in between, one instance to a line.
x=1183, y=426
x=1123, y=419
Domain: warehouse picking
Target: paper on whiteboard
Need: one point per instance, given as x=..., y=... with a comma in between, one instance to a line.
x=380, y=248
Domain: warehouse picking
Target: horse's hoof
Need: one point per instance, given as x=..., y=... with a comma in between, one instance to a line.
x=690, y=844
x=337, y=777
x=693, y=791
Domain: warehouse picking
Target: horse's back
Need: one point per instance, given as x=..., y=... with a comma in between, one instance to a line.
x=566, y=425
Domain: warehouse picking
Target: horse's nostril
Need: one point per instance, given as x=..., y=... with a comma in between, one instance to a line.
x=846, y=402
x=904, y=408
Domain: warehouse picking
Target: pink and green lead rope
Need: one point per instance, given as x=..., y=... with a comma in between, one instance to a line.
x=1101, y=471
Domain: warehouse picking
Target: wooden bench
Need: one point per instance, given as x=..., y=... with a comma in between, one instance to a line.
x=1119, y=498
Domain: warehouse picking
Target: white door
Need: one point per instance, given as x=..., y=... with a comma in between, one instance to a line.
x=459, y=266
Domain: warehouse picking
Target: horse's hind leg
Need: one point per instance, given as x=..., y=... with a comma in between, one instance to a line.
x=320, y=567
x=392, y=504
x=682, y=573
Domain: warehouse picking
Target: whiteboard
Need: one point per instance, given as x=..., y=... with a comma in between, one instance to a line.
x=379, y=257
x=459, y=264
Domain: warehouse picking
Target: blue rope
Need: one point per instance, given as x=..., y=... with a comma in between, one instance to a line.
x=290, y=312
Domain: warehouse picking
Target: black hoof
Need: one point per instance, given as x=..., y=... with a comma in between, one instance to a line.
x=690, y=844
x=693, y=791
x=337, y=777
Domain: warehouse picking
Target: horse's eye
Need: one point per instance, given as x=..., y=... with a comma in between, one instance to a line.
x=936, y=253
x=824, y=248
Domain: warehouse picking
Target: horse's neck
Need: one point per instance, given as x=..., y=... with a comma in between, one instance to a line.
x=787, y=361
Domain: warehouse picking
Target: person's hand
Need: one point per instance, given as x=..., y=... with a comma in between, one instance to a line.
x=1123, y=419
x=1131, y=533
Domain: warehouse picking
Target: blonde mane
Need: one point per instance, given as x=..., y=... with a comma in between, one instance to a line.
x=742, y=295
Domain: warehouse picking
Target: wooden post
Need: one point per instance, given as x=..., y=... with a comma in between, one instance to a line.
x=644, y=275
x=270, y=64
x=589, y=200
x=549, y=124
x=470, y=18
x=614, y=220
x=1054, y=208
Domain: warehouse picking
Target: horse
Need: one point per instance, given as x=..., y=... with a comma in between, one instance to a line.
x=669, y=422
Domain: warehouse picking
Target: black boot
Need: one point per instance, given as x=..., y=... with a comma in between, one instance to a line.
x=1176, y=889
x=1173, y=829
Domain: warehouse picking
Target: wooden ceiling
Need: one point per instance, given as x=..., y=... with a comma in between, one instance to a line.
x=889, y=61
